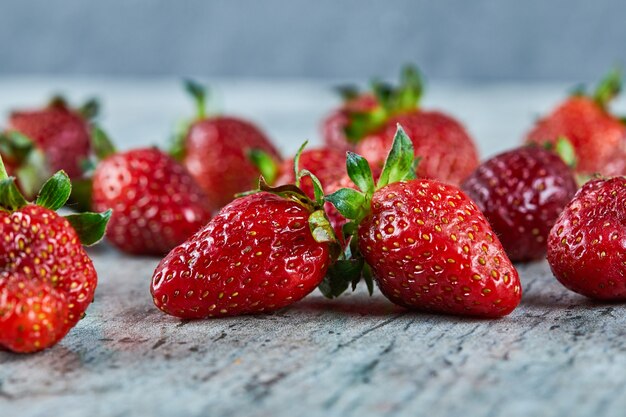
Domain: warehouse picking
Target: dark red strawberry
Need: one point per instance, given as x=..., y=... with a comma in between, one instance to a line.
x=328, y=165
x=157, y=204
x=586, y=246
x=522, y=192
x=427, y=244
x=261, y=252
x=335, y=124
x=215, y=150
x=47, y=281
x=598, y=137
x=43, y=141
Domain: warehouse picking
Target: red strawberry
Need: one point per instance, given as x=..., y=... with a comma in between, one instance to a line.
x=522, y=192
x=157, y=204
x=598, y=137
x=257, y=255
x=328, y=165
x=47, y=281
x=586, y=245
x=427, y=244
x=335, y=124
x=215, y=150
x=46, y=140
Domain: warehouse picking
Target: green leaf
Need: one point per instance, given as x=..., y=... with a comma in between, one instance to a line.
x=608, y=88
x=3, y=170
x=360, y=172
x=296, y=162
x=90, y=109
x=199, y=94
x=266, y=165
x=317, y=185
x=10, y=197
x=339, y=277
x=32, y=173
x=90, y=226
x=347, y=92
x=399, y=163
x=178, y=141
x=411, y=89
x=320, y=227
x=55, y=192
x=80, y=199
x=102, y=145
x=565, y=150
x=351, y=204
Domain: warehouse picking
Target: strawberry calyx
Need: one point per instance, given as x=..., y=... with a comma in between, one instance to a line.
x=199, y=93
x=391, y=101
x=564, y=149
x=355, y=205
x=89, y=110
x=607, y=89
x=53, y=195
x=31, y=167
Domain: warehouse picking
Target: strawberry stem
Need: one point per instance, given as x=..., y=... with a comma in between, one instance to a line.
x=199, y=94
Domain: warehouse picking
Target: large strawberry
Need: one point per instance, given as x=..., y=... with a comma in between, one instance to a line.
x=260, y=253
x=446, y=150
x=586, y=246
x=215, y=150
x=522, y=192
x=47, y=281
x=157, y=204
x=39, y=142
x=428, y=246
x=598, y=137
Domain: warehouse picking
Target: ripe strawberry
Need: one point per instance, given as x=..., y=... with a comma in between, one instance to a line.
x=47, y=281
x=260, y=253
x=427, y=244
x=598, y=137
x=327, y=164
x=335, y=124
x=215, y=151
x=522, y=192
x=157, y=204
x=586, y=244
x=46, y=140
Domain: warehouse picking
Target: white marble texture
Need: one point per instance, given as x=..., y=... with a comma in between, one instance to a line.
x=558, y=354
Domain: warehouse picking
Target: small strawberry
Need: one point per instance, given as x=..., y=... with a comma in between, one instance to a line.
x=335, y=124
x=522, y=192
x=426, y=243
x=157, y=204
x=261, y=252
x=47, y=280
x=327, y=164
x=586, y=245
x=215, y=151
x=598, y=137
x=40, y=142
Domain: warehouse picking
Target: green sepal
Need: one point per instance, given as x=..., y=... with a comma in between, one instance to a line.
x=10, y=197
x=399, y=163
x=90, y=109
x=340, y=275
x=366, y=273
x=264, y=162
x=199, y=93
x=608, y=88
x=288, y=191
x=58, y=100
x=318, y=191
x=90, y=227
x=32, y=172
x=348, y=92
x=565, y=150
x=320, y=227
x=296, y=162
x=102, y=145
x=55, y=192
x=80, y=198
x=351, y=204
x=178, y=141
x=360, y=172
x=3, y=170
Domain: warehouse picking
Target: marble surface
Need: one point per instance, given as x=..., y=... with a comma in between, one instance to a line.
x=558, y=354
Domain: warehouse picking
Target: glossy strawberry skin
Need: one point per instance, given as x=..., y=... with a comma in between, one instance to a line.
x=334, y=125
x=586, y=246
x=328, y=165
x=431, y=249
x=156, y=204
x=257, y=255
x=41, y=262
x=599, y=138
x=216, y=155
x=522, y=192
x=446, y=150
x=61, y=133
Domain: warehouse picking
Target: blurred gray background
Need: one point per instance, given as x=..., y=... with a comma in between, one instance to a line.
x=478, y=40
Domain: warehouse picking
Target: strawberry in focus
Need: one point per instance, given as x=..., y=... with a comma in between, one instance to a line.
x=215, y=150
x=598, y=137
x=428, y=246
x=586, y=246
x=522, y=192
x=47, y=280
